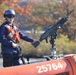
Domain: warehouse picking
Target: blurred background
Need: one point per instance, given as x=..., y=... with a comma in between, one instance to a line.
x=34, y=17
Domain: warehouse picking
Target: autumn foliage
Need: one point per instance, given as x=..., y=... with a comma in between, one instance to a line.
x=14, y=4
x=40, y=13
x=43, y=13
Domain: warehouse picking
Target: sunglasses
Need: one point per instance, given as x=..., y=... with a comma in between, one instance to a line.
x=9, y=16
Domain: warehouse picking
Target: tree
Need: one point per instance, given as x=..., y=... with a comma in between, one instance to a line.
x=48, y=12
x=14, y=4
x=43, y=13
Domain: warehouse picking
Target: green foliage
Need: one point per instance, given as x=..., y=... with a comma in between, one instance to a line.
x=42, y=49
x=3, y=7
x=65, y=45
x=46, y=11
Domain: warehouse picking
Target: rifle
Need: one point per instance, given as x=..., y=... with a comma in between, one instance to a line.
x=53, y=29
x=51, y=32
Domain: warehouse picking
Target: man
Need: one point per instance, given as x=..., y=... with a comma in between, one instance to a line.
x=10, y=37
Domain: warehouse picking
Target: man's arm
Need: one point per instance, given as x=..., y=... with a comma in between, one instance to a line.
x=26, y=38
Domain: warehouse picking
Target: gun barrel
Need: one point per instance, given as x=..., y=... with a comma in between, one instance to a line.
x=70, y=12
x=54, y=28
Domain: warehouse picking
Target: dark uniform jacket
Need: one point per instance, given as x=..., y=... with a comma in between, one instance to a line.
x=6, y=43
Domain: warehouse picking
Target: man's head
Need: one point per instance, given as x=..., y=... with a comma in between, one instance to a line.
x=9, y=15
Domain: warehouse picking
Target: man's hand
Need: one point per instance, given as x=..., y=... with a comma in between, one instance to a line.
x=14, y=45
x=35, y=43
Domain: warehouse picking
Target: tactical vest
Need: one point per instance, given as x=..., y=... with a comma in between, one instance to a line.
x=12, y=33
